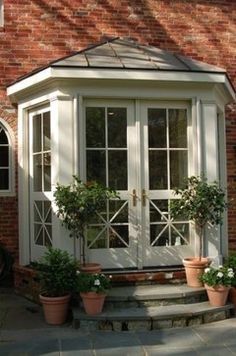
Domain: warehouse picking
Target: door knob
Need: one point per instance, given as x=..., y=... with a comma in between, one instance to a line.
x=144, y=196
x=134, y=197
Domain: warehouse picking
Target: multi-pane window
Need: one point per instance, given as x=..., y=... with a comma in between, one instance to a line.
x=168, y=151
x=5, y=160
x=41, y=182
x=106, y=155
x=168, y=165
x=42, y=152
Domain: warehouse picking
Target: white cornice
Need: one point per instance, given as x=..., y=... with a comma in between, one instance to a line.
x=52, y=73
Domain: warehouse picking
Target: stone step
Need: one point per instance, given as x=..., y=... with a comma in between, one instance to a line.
x=153, y=295
x=152, y=318
x=152, y=307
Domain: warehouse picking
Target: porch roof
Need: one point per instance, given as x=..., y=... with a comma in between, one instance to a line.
x=117, y=57
x=121, y=53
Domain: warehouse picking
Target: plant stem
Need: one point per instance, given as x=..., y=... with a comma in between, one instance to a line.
x=200, y=242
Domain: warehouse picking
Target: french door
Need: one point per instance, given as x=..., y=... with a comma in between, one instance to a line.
x=141, y=149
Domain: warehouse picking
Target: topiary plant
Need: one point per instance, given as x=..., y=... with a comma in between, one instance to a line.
x=200, y=202
x=78, y=204
x=57, y=272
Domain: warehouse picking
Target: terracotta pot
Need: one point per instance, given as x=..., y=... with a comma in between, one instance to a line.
x=91, y=268
x=55, y=309
x=232, y=295
x=217, y=295
x=194, y=268
x=93, y=302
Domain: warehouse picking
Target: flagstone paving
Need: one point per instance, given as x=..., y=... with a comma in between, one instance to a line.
x=24, y=332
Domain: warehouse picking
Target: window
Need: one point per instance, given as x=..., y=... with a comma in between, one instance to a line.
x=5, y=161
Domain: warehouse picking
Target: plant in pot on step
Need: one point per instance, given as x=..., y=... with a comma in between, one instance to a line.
x=93, y=289
x=57, y=273
x=78, y=205
x=231, y=263
x=202, y=203
x=217, y=282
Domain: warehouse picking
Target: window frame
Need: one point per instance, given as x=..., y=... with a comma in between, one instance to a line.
x=10, y=136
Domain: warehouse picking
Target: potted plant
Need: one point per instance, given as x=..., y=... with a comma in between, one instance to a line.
x=231, y=263
x=217, y=282
x=93, y=289
x=201, y=203
x=57, y=273
x=78, y=204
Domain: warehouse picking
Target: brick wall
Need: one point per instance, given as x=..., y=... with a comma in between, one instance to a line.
x=38, y=31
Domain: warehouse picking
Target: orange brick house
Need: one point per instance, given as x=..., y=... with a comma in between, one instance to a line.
x=135, y=94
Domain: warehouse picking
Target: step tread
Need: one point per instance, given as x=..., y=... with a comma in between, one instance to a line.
x=151, y=292
x=158, y=312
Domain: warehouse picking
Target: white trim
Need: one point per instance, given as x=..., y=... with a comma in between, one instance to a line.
x=11, y=165
x=1, y=13
x=23, y=192
x=53, y=73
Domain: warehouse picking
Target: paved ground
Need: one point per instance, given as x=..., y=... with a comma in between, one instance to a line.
x=24, y=332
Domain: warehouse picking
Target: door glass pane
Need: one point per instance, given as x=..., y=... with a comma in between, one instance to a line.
x=38, y=234
x=178, y=128
x=46, y=132
x=4, y=154
x=157, y=128
x=95, y=127
x=3, y=137
x=4, y=179
x=96, y=166
x=158, y=210
x=180, y=234
x=157, y=170
x=118, y=211
x=37, y=162
x=117, y=123
x=118, y=236
x=178, y=168
x=117, y=168
x=43, y=223
x=96, y=237
x=37, y=135
x=159, y=235
x=47, y=171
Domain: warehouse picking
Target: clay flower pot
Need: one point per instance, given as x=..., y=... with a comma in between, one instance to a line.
x=194, y=268
x=55, y=309
x=232, y=296
x=91, y=268
x=217, y=295
x=93, y=302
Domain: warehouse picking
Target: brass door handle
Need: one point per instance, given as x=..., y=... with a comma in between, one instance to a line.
x=134, y=197
x=144, y=196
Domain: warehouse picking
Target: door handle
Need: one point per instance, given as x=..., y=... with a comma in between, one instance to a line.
x=144, y=196
x=134, y=197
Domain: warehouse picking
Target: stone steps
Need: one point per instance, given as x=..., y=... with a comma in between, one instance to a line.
x=152, y=307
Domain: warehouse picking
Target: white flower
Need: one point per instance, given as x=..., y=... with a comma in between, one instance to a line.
x=97, y=282
x=230, y=269
x=220, y=274
x=220, y=266
x=207, y=270
x=231, y=274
